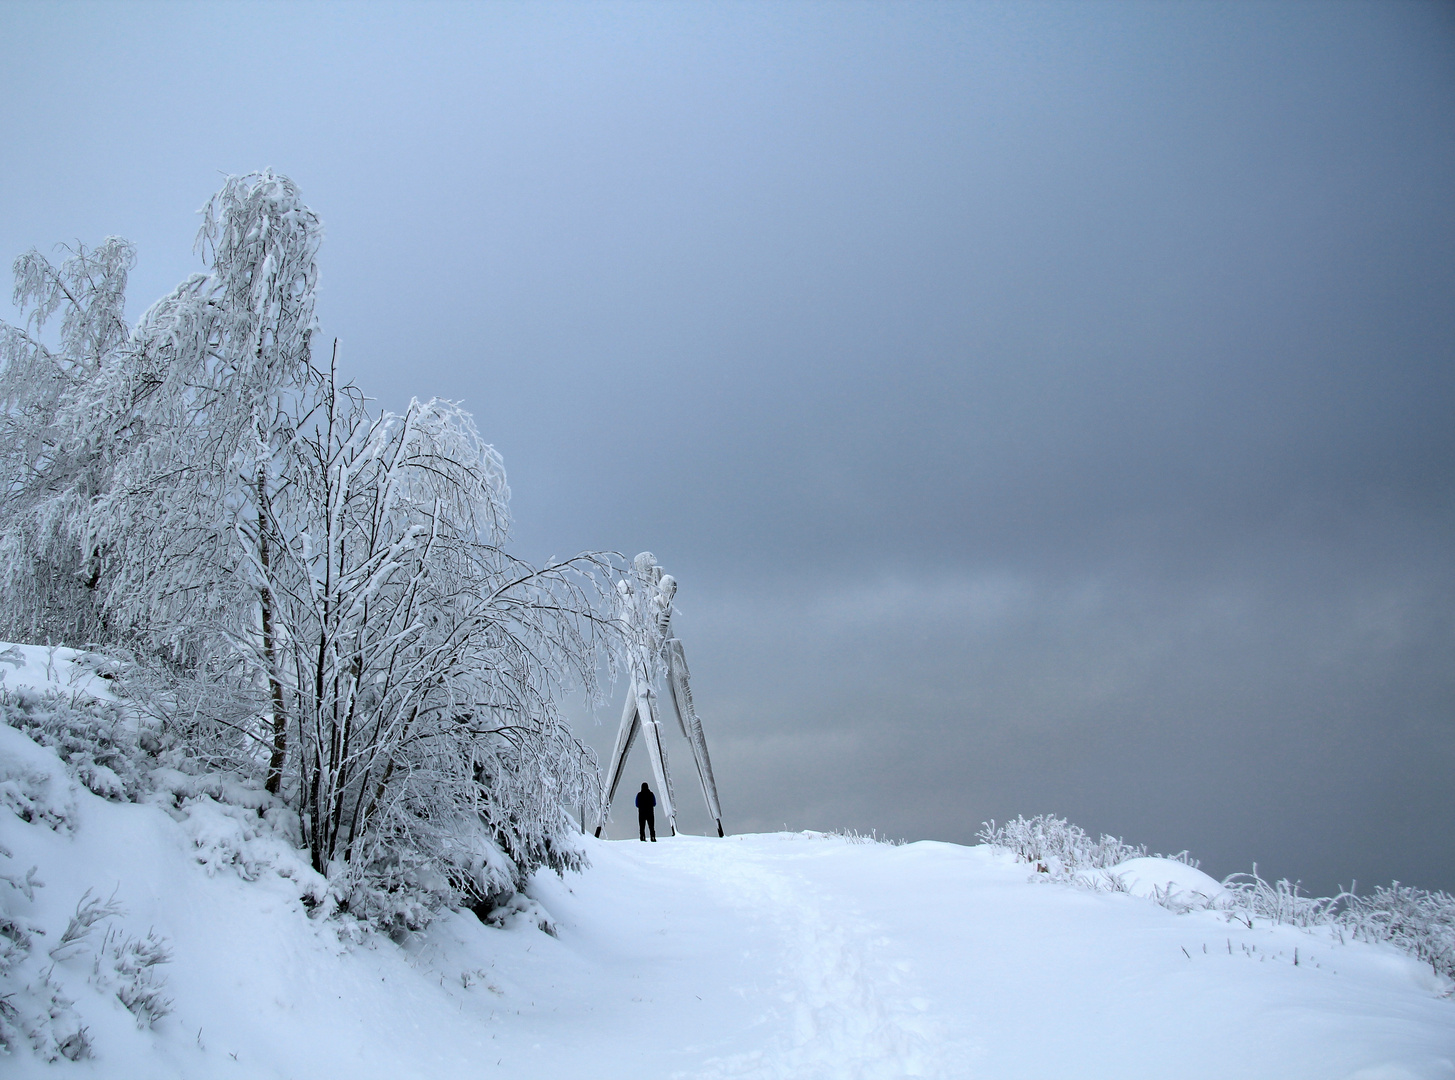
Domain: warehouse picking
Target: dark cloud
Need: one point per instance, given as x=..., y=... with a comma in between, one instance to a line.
x=1043, y=407
x=1295, y=713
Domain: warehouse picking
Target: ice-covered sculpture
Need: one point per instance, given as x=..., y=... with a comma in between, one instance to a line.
x=656, y=658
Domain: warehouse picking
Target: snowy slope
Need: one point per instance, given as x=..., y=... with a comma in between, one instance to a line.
x=786, y=955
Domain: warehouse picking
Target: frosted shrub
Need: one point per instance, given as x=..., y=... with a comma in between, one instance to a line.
x=521, y=911
x=99, y=744
x=421, y=662
x=1419, y=922
x=16, y=931
x=90, y=910
x=854, y=836
x=33, y=1011
x=45, y=1018
x=128, y=965
x=1279, y=902
x=35, y=795
x=1056, y=845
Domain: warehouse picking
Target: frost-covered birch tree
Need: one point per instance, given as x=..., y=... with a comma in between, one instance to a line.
x=144, y=459
x=222, y=370
x=54, y=463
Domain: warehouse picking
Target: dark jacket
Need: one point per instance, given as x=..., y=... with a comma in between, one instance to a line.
x=645, y=802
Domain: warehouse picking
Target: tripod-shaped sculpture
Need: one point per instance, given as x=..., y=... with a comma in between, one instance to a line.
x=656, y=656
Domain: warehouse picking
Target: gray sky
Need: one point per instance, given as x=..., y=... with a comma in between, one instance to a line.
x=1043, y=408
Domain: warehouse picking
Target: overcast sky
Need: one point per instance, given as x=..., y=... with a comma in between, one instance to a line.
x=1042, y=407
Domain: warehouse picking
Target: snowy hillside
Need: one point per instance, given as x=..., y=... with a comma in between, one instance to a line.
x=786, y=955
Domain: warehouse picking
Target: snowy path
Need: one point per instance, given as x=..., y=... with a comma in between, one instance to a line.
x=796, y=956
x=840, y=1004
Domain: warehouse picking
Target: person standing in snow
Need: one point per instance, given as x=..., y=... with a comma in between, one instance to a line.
x=646, y=817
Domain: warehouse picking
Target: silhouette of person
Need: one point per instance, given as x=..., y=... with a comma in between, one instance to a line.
x=646, y=816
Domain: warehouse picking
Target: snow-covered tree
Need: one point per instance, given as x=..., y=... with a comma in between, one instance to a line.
x=53, y=462
x=319, y=593
x=220, y=374
x=422, y=662
x=144, y=460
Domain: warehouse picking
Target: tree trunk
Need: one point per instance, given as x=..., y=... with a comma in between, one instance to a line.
x=274, y=781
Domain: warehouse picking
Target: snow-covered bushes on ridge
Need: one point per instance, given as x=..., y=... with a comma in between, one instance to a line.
x=1175, y=884
x=1057, y=847
x=1417, y=921
x=1280, y=901
x=854, y=836
x=308, y=596
x=1420, y=922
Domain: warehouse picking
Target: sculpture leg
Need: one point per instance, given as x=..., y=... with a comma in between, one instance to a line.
x=625, y=736
x=680, y=681
x=658, y=755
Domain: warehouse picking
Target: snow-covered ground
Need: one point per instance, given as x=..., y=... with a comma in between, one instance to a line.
x=783, y=955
